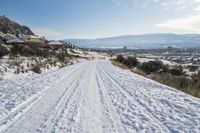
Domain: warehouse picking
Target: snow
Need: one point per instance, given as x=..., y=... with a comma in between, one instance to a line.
x=16, y=40
x=2, y=34
x=55, y=43
x=166, y=62
x=8, y=68
x=145, y=59
x=94, y=97
x=89, y=55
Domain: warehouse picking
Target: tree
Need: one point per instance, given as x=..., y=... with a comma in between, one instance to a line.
x=177, y=71
x=151, y=66
x=120, y=58
x=131, y=61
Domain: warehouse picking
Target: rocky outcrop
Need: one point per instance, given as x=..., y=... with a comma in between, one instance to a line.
x=11, y=27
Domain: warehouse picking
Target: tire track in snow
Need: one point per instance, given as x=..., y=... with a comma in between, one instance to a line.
x=22, y=89
x=133, y=103
x=22, y=112
x=52, y=122
x=97, y=97
x=91, y=111
x=166, y=106
x=112, y=122
x=67, y=121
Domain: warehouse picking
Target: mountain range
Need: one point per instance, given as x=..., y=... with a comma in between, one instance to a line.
x=143, y=41
x=153, y=40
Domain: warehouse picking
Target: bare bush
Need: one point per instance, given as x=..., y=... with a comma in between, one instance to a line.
x=3, y=51
x=17, y=71
x=37, y=69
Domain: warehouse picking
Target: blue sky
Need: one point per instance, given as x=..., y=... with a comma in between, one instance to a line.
x=59, y=19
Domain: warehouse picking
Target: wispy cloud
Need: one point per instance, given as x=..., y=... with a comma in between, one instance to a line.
x=176, y=5
x=130, y=4
x=47, y=33
x=179, y=5
x=191, y=23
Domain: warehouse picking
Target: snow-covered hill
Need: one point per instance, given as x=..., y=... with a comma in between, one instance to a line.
x=94, y=97
x=157, y=40
x=20, y=65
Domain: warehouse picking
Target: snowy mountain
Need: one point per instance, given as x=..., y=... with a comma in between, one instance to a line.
x=157, y=40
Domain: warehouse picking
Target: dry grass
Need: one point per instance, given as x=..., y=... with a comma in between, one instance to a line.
x=139, y=72
x=181, y=83
x=14, y=62
x=37, y=69
x=118, y=64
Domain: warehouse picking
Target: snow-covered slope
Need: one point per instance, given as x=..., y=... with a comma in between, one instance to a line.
x=94, y=97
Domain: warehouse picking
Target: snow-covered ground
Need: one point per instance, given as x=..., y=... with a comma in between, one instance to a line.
x=22, y=65
x=166, y=62
x=94, y=97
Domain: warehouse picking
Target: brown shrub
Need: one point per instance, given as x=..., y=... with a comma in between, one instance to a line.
x=14, y=62
x=116, y=63
x=139, y=72
x=36, y=69
x=17, y=71
x=3, y=51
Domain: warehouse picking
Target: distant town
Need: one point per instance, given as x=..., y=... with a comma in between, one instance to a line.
x=187, y=56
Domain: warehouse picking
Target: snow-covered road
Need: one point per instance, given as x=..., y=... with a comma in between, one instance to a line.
x=94, y=97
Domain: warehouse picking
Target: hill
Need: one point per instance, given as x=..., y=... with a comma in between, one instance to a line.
x=157, y=40
x=12, y=27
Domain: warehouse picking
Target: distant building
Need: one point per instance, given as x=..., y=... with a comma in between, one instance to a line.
x=26, y=39
x=32, y=39
x=55, y=43
x=125, y=48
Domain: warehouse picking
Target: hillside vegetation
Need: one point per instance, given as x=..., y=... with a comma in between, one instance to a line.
x=23, y=58
x=173, y=76
x=22, y=52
